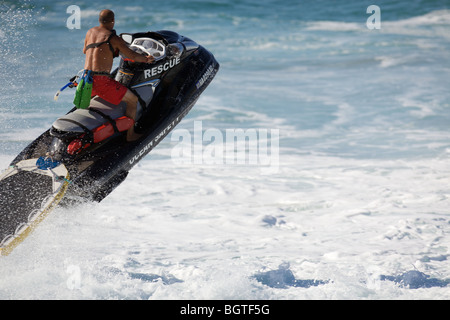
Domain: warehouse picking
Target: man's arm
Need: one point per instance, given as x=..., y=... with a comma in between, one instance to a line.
x=118, y=43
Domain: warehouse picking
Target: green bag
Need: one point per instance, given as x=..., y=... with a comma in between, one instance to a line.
x=83, y=94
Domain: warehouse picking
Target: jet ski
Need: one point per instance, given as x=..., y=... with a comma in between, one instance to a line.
x=91, y=142
x=85, y=155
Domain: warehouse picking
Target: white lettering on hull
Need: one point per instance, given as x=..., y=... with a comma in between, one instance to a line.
x=148, y=73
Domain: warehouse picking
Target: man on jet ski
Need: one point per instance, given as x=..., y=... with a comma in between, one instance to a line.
x=101, y=46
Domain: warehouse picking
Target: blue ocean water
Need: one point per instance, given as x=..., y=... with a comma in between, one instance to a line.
x=363, y=119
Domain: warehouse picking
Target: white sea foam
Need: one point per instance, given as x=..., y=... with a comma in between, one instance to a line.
x=334, y=26
x=321, y=207
x=437, y=17
x=433, y=24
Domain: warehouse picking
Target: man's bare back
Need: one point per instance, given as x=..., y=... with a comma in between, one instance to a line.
x=100, y=59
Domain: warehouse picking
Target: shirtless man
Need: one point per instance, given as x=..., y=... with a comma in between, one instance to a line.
x=101, y=46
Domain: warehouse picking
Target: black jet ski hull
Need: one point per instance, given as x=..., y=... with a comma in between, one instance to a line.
x=95, y=174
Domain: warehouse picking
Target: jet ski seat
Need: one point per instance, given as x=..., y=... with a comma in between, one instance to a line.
x=98, y=113
x=95, y=124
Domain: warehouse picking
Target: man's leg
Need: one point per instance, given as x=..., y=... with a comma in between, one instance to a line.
x=131, y=100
